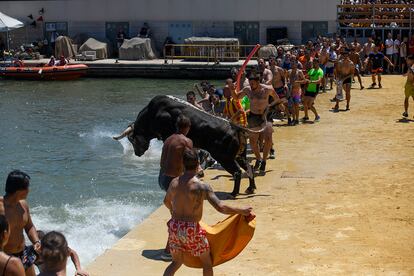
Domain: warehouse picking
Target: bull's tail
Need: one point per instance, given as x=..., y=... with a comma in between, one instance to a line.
x=248, y=130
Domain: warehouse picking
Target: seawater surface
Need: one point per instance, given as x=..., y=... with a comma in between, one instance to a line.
x=84, y=184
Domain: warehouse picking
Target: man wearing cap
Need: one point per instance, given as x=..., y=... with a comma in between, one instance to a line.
x=344, y=72
x=258, y=95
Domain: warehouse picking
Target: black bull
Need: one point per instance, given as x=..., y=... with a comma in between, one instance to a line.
x=224, y=141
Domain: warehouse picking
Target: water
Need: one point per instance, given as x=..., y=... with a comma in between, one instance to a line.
x=84, y=184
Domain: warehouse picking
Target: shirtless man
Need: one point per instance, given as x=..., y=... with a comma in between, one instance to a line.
x=367, y=49
x=184, y=199
x=344, y=72
x=14, y=206
x=295, y=80
x=265, y=74
x=356, y=60
x=279, y=84
x=259, y=104
x=171, y=163
x=409, y=85
x=356, y=45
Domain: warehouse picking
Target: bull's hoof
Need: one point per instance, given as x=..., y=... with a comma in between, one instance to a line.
x=250, y=190
x=233, y=195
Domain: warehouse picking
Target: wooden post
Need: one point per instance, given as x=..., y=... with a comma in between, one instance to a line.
x=373, y=15
x=165, y=54
x=411, y=21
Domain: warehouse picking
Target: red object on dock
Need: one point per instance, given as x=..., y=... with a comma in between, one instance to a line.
x=66, y=72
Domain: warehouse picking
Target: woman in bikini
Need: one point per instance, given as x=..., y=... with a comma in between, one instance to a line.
x=9, y=265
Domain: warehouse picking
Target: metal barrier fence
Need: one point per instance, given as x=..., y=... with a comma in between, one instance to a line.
x=209, y=53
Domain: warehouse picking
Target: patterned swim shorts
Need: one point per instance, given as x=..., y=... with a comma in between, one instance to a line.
x=187, y=237
x=27, y=256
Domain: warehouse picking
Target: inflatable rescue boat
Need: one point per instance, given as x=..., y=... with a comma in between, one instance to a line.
x=65, y=72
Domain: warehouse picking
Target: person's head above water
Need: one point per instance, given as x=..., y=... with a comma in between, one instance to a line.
x=191, y=97
x=190, y=159
x=17, y=182
x=183, y=124
x=55, y=252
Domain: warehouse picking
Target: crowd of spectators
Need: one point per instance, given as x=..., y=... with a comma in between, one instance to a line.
x=356, y=2
x=327, y=51
x=361, y=15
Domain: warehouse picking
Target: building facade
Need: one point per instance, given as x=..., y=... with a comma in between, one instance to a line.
x=259, y=21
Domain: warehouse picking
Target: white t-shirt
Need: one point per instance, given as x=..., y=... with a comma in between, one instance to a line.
x=389, y=45
x=397, y=44
x=332, y=58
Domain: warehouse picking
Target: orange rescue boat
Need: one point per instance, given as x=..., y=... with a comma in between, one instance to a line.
x=65, y=72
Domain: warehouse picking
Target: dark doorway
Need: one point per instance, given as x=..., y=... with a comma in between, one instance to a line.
x=111, y=32
x=248, y=34
x=274, y=34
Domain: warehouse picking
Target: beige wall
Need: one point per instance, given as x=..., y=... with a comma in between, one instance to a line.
x=208, y=17
x=219, y=10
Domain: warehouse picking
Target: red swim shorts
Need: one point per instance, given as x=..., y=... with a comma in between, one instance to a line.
x=377, y=71
x=187, y=237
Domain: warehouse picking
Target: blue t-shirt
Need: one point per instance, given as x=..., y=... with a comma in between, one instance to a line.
x=287, y=66
x=376, y=59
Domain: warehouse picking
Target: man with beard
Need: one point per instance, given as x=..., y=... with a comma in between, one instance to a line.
x=266, y=75
x=259, y=104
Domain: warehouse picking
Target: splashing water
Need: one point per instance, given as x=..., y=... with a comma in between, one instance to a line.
x=92, y=226
x=100, y=135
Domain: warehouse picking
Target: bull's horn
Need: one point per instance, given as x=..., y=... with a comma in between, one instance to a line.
x=127, y=131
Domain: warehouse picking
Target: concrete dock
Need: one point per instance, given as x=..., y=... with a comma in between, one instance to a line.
x=157, y=68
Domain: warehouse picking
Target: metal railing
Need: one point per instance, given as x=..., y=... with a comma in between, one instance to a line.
x=204, y=52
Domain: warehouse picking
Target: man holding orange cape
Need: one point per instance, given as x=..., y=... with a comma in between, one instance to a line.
x=184, y=199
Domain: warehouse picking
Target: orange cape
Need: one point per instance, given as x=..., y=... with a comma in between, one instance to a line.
x=227, y=239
